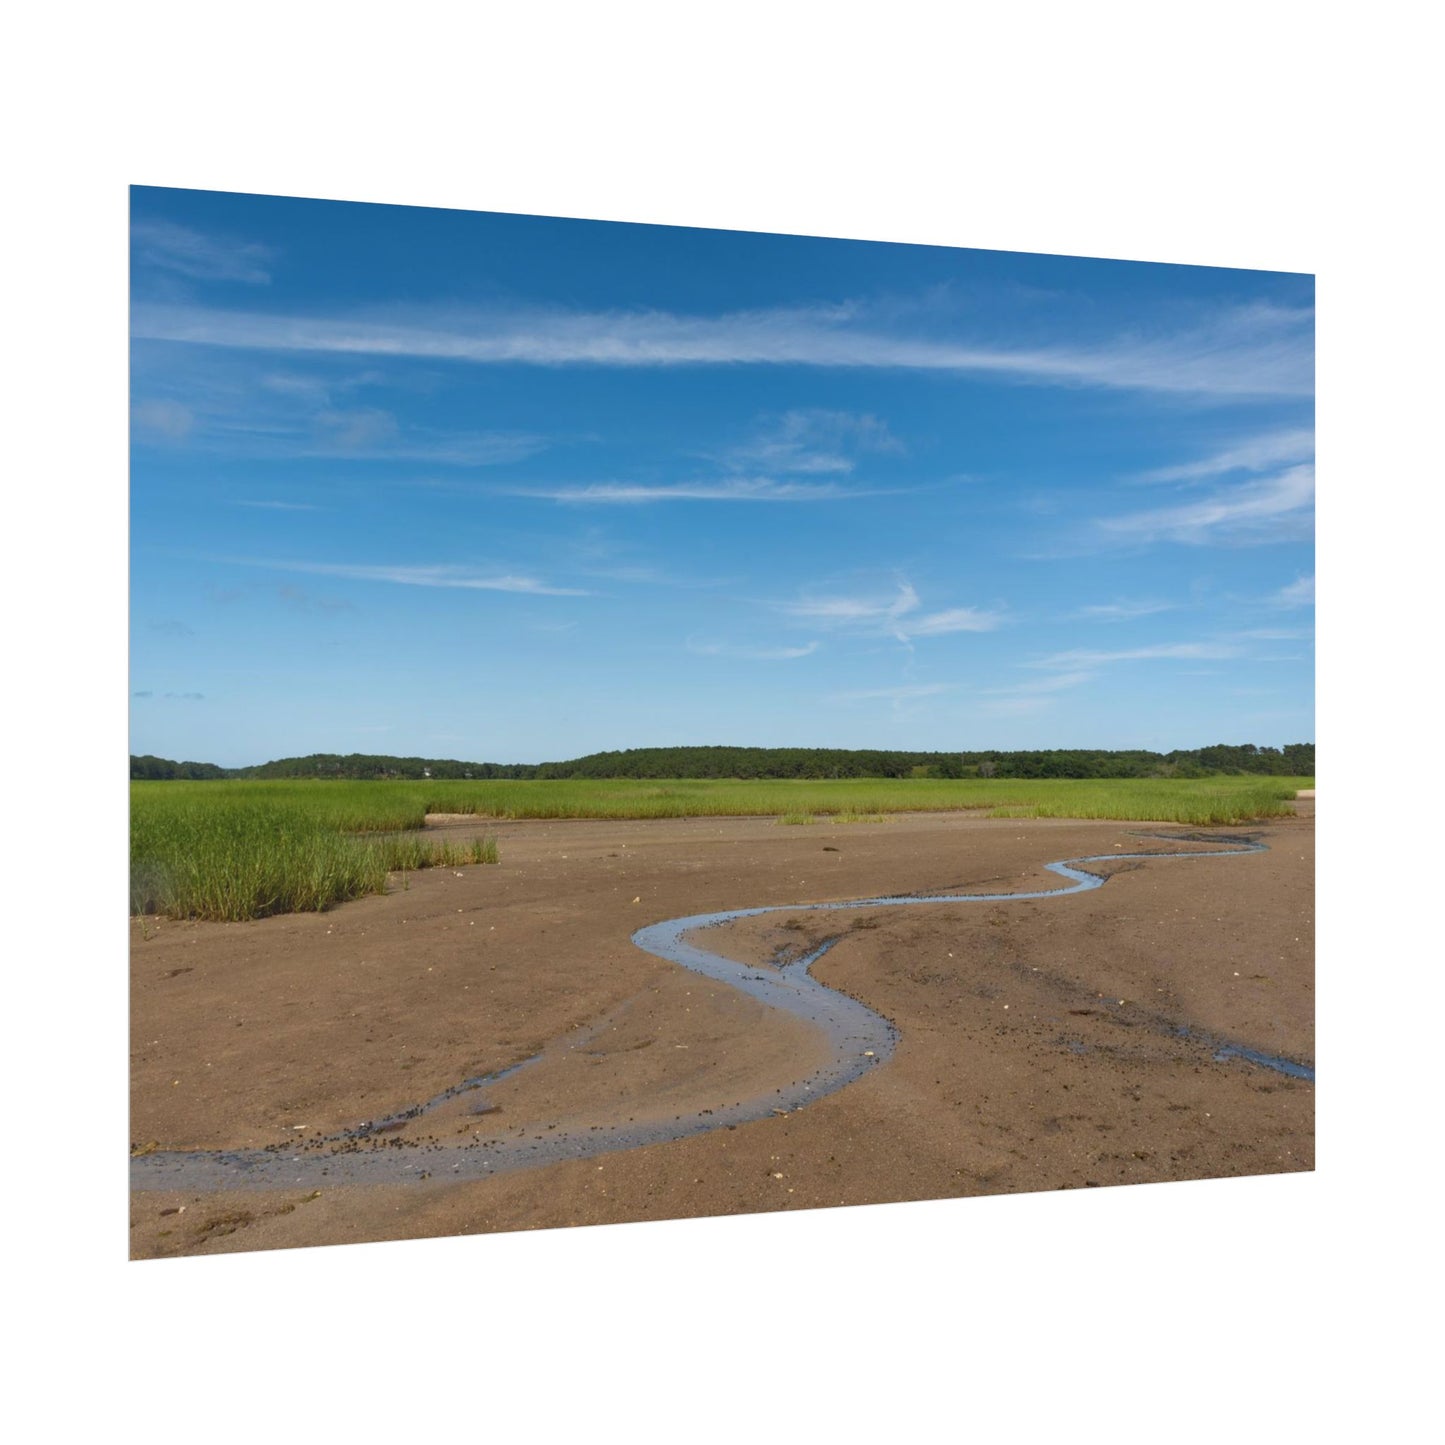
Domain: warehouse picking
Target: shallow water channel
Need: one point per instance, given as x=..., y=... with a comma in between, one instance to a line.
x=859, y=1039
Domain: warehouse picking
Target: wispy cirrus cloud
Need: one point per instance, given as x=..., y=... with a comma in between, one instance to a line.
x=162, y=417
x=867, y=609
x=1080, y=663
x=1299, y=593
x=1275, y=634
x=907, y=693
x=267, y=506
x=200, y=256
x=316, y=390
x=1245, y=351
x=429, y=575
x=895, y=616
x=303, y=601
x=1271, y=509
x=1255, y=454
x=1082, y=658
x=328, y=433
x=812, y=440
x=216, y=402
x=376, y=435
x=725, y=489
x=951, y=619
x=1123, y=611
x=1043, y=685
x=751, y=654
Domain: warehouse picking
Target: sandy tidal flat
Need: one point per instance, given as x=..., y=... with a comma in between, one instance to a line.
x=1055, y=1043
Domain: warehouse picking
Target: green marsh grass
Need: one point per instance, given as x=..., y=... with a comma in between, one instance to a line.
x=397, y=806
x=241, y=855
x=1199, y=801
x=237, y=849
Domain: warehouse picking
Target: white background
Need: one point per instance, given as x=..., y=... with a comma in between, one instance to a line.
x=1255, y=135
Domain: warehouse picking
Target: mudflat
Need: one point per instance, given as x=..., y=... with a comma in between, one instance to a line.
x=1043, y=1044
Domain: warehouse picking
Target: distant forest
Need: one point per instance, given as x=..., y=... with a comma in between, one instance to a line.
x=1294, y=760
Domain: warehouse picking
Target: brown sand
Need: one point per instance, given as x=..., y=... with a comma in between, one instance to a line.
x=1039, y=1040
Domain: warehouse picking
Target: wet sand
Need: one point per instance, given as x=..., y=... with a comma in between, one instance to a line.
x=1041, y=1043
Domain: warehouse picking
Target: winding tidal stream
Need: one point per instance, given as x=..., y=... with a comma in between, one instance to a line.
x=859, y=1040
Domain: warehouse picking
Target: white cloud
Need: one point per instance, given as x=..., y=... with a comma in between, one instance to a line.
x=314, y=389
x=893, y=694
x=954, y=619
x=277, y=506
x=361, y=429
x=461, y=449
x=1083, y=658
x=359, y=434
x=374, y=433
x=891, y=616
x=199, y=256
x=304, y=601
x=751, y=654
x=1299, y=593
x=730, y=489
x=1254, y=455
x=1061, y=683
x=164, y=418
x=1124, y=611
x=1274, y=508
x=848, y=611
x=215, y=403
x=439, y=575
x=813, y=440
x=1257, y=350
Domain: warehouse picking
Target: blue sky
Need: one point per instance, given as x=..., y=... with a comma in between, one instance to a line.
x=513, y=488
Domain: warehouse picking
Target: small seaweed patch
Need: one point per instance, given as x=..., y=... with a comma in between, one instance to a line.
x=223, y=1224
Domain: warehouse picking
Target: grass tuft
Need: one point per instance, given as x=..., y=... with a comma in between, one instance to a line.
x=232, y=857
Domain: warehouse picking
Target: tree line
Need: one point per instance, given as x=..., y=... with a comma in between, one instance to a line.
x=147, y=766
x=1294, y=760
